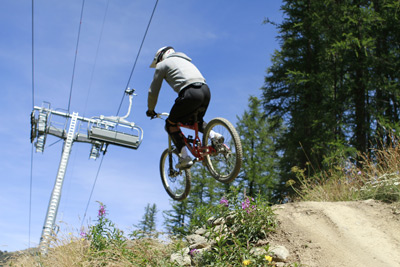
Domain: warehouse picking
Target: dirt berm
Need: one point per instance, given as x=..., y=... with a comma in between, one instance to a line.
x=354, y=234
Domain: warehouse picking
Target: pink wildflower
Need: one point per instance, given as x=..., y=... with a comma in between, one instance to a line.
x=224, y=202
x=102, y=211
x=83, y=235
x=246, y=204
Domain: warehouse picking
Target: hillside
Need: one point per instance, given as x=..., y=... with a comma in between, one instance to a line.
x=362, y=233
x=323, y=234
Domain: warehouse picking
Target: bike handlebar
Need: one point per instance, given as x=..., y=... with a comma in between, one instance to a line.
x=159, y=115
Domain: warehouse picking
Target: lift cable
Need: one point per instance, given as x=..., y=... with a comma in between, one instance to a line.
x=92, y=75
x=32, y=147
x=75, y=59
x=87, y=98
x=137, y=56
x=133, y=68
x=95, y=61
x=33, y=57
x=91, y=193
x=76, y=55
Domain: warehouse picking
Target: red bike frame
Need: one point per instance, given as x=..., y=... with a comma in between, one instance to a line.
x=195, y=146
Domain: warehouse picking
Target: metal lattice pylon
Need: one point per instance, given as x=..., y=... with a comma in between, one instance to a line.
x=56, y=194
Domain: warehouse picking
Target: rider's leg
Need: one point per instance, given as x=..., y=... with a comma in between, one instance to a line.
x=203, y=125
x=175, y=135
x=205, y=91
x=182, y=111
x=177, y=138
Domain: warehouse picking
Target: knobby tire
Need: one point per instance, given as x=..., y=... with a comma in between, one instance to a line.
x=225, y=164
x=178, y=185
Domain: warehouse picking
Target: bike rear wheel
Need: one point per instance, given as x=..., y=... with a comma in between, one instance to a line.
x=175, y=181
x=224, y=165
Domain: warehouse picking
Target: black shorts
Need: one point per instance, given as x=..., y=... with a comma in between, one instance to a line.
x=190, y=99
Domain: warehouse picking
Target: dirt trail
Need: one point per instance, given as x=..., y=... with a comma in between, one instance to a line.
x=362, y=233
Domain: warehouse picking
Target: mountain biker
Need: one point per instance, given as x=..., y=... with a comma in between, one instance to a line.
x=193, y=93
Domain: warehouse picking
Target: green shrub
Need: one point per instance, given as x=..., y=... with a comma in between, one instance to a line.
x=246, y=220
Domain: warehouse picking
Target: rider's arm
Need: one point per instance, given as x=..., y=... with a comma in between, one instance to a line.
x=154, y=89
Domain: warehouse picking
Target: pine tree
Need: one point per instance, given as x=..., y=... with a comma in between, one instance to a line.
x=147, y=226
x=297, y=89
x=176, y=220
x=260, y=159
x=334, y=81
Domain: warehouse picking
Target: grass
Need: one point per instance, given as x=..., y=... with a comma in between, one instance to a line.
x=73, y=251
x=248, y=221
x=375, y=176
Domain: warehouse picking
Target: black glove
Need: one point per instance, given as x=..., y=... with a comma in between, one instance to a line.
x=151, y=113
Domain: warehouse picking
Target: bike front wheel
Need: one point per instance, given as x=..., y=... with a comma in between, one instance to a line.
x=225, y=162
x=176, y=182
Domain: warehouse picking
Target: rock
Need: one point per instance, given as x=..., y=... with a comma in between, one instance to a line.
x=200, y=245
x=181, y=258
x=220, y=228
x=200, y=231
x=262, y=242
x=280, y=253
x=210, y=220
x=194, y=239
x=219, y=221
x=258, y=251
x=216, y=231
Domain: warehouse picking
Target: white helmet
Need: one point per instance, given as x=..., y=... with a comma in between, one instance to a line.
x=161, y=55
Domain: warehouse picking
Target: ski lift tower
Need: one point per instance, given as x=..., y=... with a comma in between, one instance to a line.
x=100, y=132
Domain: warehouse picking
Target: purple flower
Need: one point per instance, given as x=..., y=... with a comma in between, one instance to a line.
x=246, y=204
x=224, y=202
x=102, y=211
x=83, y=235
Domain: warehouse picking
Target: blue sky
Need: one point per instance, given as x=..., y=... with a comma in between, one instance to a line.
x=226, y=40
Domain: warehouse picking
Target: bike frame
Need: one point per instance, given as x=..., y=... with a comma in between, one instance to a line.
x=194, y=144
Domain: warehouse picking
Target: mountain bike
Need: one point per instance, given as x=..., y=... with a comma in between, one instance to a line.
x=222, y=156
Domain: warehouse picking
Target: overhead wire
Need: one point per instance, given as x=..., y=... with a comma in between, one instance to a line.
x=93, y=69
x=32, y=146
x=137, y=56
x=133, y=68
x=33, y=57
x=91, y=192
x=76, y=55
x=87, y=98
x=97, y=53
x=33, y=102
x=74, y=66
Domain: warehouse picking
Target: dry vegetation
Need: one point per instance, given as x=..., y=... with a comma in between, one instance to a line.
x=377, y=178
